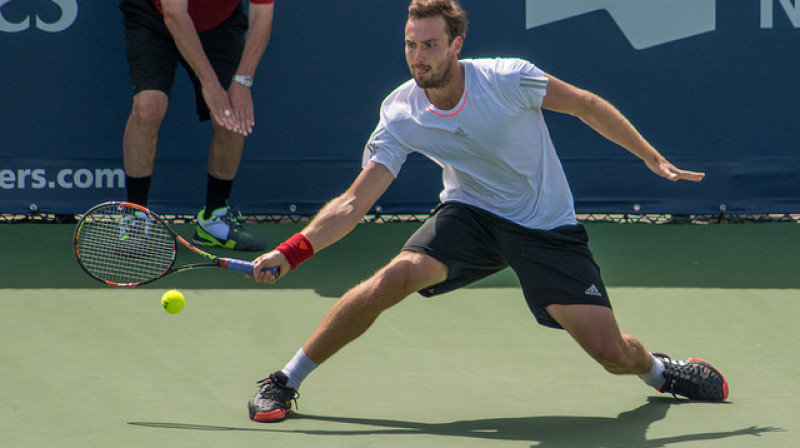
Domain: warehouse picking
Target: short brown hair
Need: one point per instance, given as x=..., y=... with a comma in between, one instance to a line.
x=454, y=16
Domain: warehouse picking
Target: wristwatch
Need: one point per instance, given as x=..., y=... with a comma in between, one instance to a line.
x=245, y=81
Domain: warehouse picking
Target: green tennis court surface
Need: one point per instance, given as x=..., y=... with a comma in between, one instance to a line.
x=84, y=365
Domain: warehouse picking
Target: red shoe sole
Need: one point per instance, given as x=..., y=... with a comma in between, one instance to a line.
x=271, y=416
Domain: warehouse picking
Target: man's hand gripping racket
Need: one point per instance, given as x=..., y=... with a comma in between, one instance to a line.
x=124, y=244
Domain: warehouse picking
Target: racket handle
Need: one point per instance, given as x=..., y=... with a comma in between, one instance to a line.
x=243, y=266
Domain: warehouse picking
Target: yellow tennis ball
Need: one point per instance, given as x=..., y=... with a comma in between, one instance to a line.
x=173, y=301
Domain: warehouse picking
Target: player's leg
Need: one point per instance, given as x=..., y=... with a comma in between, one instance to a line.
x=596, y=331
x=453, y=248
x=564, y=289
x=355, y=312
x=348, y=319
x=460, y=239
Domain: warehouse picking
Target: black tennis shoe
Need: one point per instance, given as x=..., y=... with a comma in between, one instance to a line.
x=693, y=378
x=273, y=401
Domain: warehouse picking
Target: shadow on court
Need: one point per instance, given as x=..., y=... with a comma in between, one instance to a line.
x=627, y=430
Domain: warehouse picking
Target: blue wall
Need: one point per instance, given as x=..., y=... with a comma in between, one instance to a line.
x=716, y=93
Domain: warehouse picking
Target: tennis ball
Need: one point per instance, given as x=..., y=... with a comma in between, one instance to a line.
x=173, y=301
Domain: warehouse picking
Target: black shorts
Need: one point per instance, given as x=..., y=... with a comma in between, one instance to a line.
x=153, y=57
x=553, y=266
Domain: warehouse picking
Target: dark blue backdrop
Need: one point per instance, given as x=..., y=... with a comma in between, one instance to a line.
x=720, y=99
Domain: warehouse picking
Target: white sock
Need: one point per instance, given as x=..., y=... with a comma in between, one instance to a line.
x=298, y=369
x=655, y=377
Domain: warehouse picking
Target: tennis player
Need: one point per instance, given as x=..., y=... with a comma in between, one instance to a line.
x=505, y=202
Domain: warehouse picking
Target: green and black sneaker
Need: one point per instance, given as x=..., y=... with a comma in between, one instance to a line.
x=223, y=229
x=134, y=230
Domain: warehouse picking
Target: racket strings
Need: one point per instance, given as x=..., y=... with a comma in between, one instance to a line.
x=123, y=245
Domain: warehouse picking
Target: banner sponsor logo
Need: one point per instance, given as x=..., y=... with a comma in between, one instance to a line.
x=792, y=12
x=64, y=179
x=69, y=13
x=648, y=23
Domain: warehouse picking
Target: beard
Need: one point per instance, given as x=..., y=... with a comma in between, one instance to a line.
x=434, y=80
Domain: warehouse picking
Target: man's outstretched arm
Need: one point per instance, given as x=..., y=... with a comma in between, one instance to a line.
x=336, y=219
x=604, y=118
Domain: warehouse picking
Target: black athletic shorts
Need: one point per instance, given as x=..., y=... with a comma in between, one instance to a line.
x=553, y=266
x=153, y=57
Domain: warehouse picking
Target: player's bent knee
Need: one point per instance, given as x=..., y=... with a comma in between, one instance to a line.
x=389, y=287
x=404, y=275
x=409, y=272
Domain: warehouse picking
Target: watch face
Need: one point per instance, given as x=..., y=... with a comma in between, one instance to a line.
x=244, y=80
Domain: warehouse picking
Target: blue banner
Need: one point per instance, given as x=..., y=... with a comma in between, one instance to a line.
x=709, y=83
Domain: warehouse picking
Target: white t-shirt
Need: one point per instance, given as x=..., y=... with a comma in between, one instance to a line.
x=493, y=146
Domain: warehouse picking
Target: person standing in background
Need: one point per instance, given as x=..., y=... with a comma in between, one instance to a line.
x=220, y=46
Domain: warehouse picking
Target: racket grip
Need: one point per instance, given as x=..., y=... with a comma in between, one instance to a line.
x=245, y=267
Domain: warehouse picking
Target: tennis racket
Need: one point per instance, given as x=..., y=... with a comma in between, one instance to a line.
x=125, y=244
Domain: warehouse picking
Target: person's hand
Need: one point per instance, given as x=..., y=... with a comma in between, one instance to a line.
x=220, y=106
x=242, y=108
x=270, y=260
x=663, y=168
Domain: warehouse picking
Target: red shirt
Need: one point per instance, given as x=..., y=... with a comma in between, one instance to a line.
x=209, y=14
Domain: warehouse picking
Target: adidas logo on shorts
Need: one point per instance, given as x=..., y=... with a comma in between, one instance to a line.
x=593, y=291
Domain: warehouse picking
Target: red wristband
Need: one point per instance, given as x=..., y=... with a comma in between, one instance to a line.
x=296, y=249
